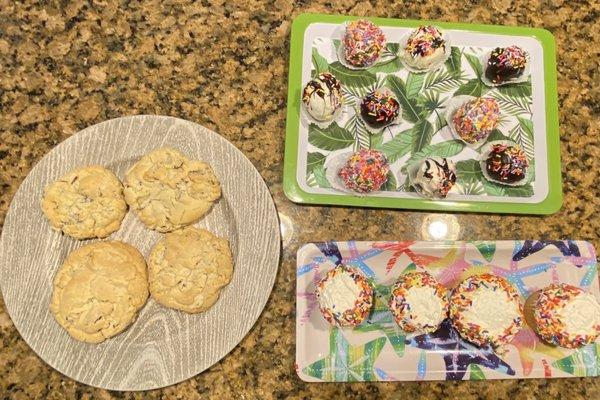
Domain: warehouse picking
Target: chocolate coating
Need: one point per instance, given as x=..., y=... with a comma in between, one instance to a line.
x=507, y=164
x=379, y=109
x=505, y=64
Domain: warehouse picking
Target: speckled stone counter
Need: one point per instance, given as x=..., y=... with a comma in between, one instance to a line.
x=223, y=64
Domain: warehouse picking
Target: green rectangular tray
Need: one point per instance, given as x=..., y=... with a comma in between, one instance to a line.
x=548, y=205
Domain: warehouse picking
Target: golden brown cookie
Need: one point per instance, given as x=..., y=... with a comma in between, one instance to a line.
x=188, y=269
x=169, y=191
x=99, y=290
x=86, y=203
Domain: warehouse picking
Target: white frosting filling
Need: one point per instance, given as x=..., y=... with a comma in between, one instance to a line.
x=492, y=310
x=425, y=306
x=430, y=186
x=581, y=314
x=339, y=293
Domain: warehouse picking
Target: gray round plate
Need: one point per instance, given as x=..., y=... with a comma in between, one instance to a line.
x=162, y=346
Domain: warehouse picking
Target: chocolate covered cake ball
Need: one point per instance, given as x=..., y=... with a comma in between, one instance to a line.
x=363, y=43
x=322, y=97
x=506, y=164
x=365, y=171
x=379, y=109
x=425, y=47
x=345, y=296
x=505, y=64
x=433, y=177
x=475, y=119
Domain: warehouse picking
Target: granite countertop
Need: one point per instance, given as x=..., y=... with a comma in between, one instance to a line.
x=67, y=66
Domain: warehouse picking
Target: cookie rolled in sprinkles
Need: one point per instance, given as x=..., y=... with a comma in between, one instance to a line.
x=363, y=43
x=418, y=302
x=567, y=316
x=345, y=297
x=485, y=309
x=365, y=171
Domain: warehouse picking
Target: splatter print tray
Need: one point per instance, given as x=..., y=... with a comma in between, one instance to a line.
x=377, y=350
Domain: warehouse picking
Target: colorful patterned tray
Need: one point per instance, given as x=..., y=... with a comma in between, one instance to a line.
x=378, y=351
x=528, y=110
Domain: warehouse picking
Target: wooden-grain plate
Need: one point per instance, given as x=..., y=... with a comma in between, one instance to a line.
x=163, y=346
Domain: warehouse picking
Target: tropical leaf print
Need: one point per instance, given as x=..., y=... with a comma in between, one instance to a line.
x=522, y=133
x=314, y=160
x=469, y=171
x=351, y=77
x=475, y=64
x=319, y=62
x=453, y=62
x=513, y=105
x=321, y=177
x=331, y=138
x=442, y=81
x=474, y=87
x=449, y=148
x=414, y=83
x=398, y=146
x=421, y=137
x=498, y=135
x=390, y=185
x=521, y=89
x=388, y=66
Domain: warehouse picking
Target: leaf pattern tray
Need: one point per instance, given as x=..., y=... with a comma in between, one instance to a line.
x=377, y=350
x=528, y=117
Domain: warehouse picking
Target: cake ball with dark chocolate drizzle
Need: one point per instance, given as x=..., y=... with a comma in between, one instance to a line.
x=506, y=164
x=379, y=109
x=322, y=97
x=505, y=64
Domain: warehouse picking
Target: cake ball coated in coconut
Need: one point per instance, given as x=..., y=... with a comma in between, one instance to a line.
x=433, y=177
x=345, y=296
x=363, y=43
x=365, y=171
x=506, y=64
x=506, y=164
x=418, y=302
x=322, y=97
x=567, y=316
x=476, y=119
x=425, y=48
x=379, y=109
x=485, y=310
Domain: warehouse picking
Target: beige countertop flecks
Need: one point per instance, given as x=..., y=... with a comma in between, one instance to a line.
x=223, y=64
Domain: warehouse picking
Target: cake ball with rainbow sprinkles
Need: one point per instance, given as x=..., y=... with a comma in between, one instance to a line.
x=567, y=316
x=418, y=302
x=363, y=43
x=476, y=119
x=345, y=296
x=365, y=171
x=485, y=310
